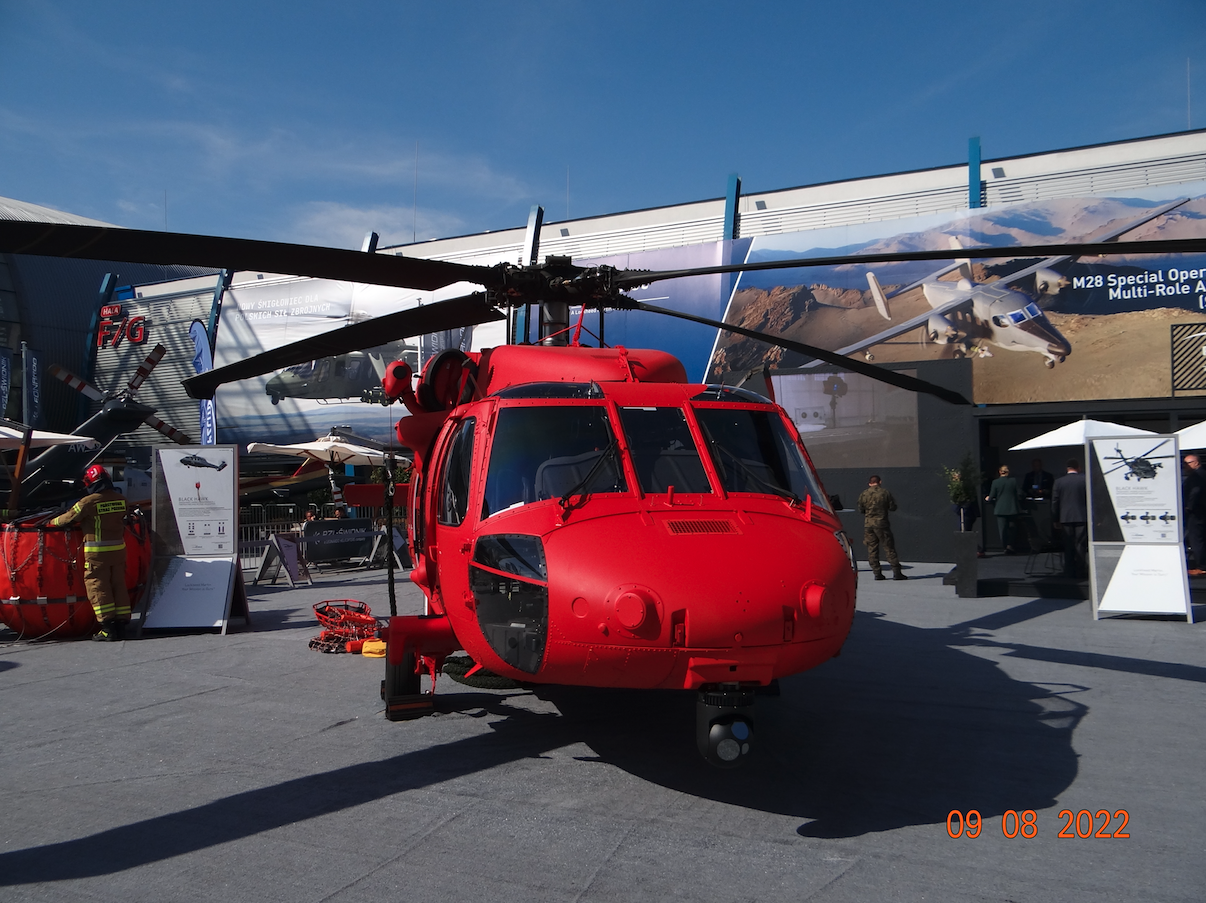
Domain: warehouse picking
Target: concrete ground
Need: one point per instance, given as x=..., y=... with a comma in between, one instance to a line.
x=248, y=767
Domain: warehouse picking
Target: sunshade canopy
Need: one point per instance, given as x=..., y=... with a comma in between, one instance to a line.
x=11, y=436
x=330, y=450
x=1077, y=432
x=1192, y=436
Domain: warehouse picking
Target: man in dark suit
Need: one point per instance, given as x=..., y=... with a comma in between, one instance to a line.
x=1037, y=484
x=1193, y=499
x=1070, y=514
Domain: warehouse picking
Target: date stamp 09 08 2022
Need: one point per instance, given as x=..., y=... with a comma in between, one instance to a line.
x=1082, y=824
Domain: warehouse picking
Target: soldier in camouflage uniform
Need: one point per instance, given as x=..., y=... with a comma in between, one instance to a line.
x=874, y=504
x=102, y=514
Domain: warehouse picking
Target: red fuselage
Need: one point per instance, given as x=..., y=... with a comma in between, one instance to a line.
x=591, y=518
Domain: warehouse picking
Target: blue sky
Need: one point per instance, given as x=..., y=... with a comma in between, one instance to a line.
x=299, y=121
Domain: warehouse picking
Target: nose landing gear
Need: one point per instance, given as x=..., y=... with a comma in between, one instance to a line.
x=724, y=725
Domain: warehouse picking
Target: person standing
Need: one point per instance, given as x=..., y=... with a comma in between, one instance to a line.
x=102, y=514
x=1007, y=505
x=1037, y=483
x=874, y=504
x=1193, y=501
x=1070, y=515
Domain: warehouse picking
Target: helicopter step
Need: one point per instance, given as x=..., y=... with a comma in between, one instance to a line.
x=414, y=644
x=400, y=691
x=724, y=724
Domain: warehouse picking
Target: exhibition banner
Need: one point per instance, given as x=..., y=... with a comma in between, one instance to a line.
x=1057, y=328
x=202, y=363
x=1048, y=329
x=297, y=403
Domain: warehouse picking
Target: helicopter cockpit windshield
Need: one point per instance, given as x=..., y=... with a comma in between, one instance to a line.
x=753, y=452
x=544, y=451
x=663, y=452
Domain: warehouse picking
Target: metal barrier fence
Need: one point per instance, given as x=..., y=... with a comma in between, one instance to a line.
x=253, y=540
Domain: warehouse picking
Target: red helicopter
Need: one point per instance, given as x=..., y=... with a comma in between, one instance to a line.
x=581, y=515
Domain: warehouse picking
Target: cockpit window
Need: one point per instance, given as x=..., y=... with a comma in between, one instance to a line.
x=718, y=392
x=753, y=452
x=454, y=489
x=551, y=390
x=1017, y=317
x=663, y=452
x=546, y=451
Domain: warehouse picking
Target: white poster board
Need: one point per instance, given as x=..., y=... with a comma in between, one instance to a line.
x=197, y=577
x=192, y=592
x=1136, y=536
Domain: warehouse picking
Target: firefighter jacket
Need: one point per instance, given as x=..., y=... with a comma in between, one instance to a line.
x=874, y=504
x=102, y=515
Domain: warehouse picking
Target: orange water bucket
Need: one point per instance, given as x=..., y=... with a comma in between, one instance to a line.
x=42, y=577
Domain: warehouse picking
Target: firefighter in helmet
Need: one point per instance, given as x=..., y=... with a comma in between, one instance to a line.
x=102, y=515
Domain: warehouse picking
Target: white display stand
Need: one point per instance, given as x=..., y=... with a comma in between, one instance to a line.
x=197, y=579
x=1136, y=534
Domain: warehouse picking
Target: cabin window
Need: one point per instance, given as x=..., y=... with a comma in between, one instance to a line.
x=753, y=452
x=454, y=488
x=546, y=451
x=663, y=451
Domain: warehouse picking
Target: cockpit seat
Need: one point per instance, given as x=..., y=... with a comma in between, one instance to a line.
x=557, y=476
x=679, y=468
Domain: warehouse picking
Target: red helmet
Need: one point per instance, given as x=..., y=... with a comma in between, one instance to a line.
x=95, y=476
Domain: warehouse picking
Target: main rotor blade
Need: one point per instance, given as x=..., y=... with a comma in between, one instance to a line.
x=891, y=377
x=139, y=246
x=626, y=279
x=467, y=310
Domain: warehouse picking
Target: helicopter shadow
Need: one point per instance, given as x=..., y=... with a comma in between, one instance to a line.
x=899, y=730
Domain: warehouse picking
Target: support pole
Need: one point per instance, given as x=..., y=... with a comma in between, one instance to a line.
x=731, y=199
x=389, y=532
x=973, y=173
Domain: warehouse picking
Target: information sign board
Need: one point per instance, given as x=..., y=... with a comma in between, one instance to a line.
x=1136, y=535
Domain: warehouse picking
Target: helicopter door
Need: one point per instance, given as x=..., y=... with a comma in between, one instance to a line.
x=440, y=501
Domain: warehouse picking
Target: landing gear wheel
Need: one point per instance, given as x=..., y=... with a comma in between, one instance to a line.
x=1050, y=363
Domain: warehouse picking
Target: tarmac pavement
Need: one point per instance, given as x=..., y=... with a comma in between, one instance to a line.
x=248, y=767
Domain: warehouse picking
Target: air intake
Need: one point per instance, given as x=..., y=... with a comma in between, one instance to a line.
x=679, y=527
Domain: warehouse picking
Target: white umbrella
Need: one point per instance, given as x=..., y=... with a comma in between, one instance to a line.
x=11, y=437
x=1192, y=436
x=1077, y=432
x=331, y=450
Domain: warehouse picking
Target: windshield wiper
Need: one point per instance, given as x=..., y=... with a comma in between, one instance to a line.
x=749, y=472
x=581, y=485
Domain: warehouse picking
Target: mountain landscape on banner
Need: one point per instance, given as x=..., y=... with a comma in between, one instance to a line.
x=832, y=307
